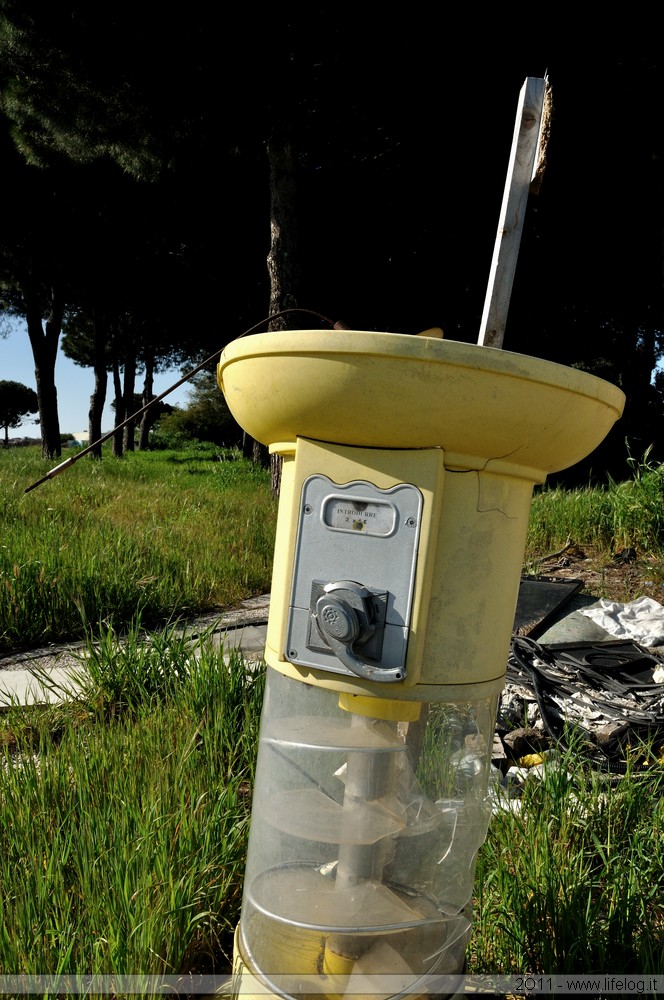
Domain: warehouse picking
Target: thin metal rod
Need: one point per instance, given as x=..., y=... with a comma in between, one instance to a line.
x=176, y=385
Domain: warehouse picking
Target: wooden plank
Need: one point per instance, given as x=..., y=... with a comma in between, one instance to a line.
x=521, y=170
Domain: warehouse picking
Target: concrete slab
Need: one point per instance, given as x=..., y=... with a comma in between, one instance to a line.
x=23, y=687
x=248, y=639
x=47, y=676
x=572, y=626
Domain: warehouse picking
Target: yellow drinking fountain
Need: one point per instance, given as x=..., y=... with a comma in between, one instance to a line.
x=408, y=470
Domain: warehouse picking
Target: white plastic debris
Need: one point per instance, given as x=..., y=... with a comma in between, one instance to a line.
x=641, y=620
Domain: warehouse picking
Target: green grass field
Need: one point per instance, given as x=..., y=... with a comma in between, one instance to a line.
x=124, y=815
x=159, y=534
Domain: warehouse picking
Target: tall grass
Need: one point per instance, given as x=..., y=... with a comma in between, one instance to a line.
x=160, y=533
x=627, y=514
x=573, y=881
x=124, y=819
x=124, y=813
x=179, y=532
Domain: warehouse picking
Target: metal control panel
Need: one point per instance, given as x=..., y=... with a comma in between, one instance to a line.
x=353, y=578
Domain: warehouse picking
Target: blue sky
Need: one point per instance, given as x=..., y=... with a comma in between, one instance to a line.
x=74, y=385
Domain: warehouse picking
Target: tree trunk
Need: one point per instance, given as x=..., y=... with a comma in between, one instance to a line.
x=282, y=261
x=282, y=258
x=98, y=397
x=259, y=454
x=147, y=419
x=247, y=445
x=119, y=410
x=276, y=464
x=128, y=394
x=44, y=342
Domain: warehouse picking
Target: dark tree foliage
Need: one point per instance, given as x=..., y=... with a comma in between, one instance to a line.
x=16, y=402
x=396, y=134
x=38, y=258
x=87, y=90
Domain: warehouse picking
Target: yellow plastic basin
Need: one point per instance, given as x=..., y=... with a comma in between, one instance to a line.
x=384, y=390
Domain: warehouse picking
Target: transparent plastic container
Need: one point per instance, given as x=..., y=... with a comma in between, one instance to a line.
x=364, y=836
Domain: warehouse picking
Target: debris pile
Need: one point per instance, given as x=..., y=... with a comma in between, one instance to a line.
x=610, y=693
